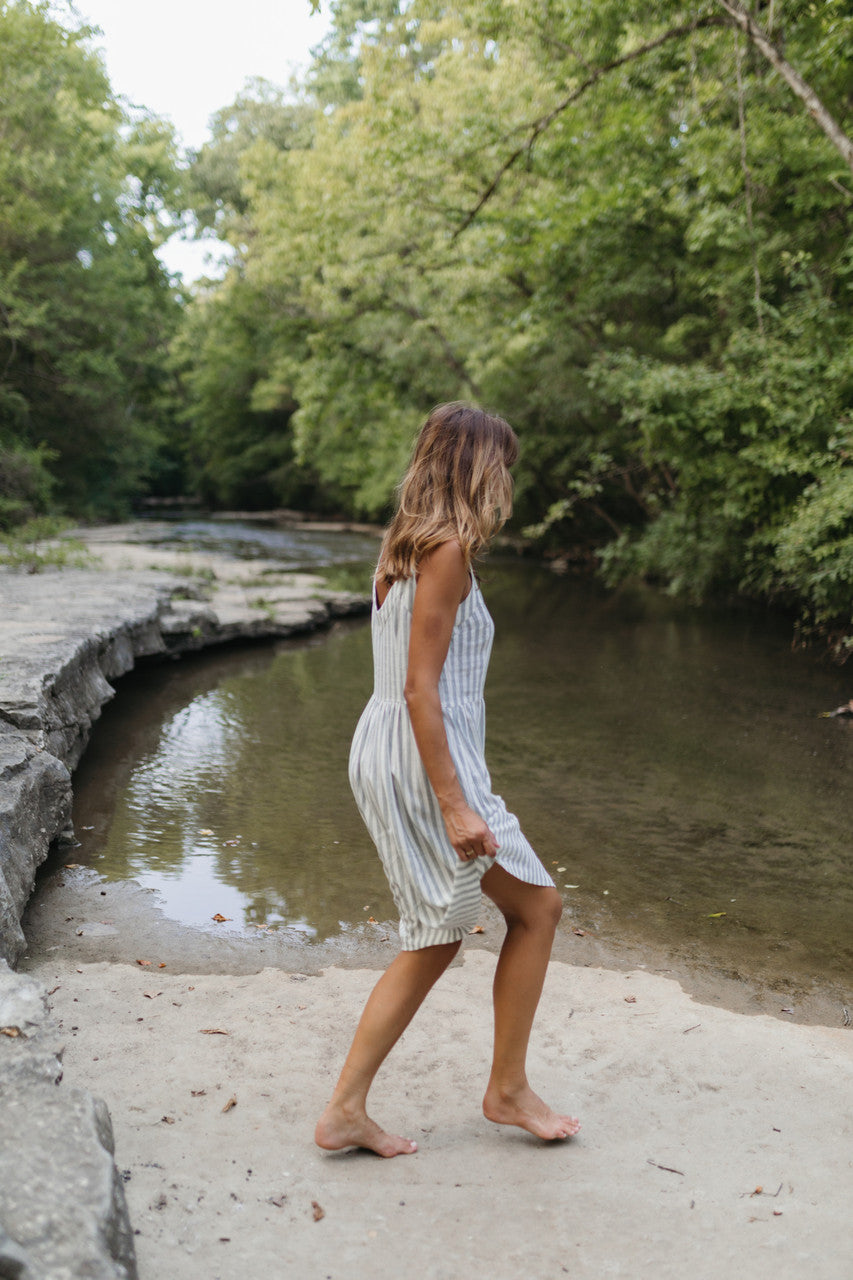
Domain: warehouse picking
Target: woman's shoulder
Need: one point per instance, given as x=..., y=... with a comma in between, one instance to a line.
x=444, y=573
x=441, y=572
x=446, y=558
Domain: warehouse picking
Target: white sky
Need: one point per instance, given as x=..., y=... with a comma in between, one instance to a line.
x=186, y=58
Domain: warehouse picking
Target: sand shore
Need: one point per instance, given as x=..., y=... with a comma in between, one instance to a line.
x=713, y=1143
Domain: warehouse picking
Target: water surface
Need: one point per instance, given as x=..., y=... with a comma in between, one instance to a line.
x=669, y=765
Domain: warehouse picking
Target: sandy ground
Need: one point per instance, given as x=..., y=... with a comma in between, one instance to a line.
x=714, y=1144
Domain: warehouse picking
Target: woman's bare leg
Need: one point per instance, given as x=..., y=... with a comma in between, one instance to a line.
x=531, y=913
x=390, y=1008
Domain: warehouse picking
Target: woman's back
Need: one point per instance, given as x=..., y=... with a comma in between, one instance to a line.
x=464, y=672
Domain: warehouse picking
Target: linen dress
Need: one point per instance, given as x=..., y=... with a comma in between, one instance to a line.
x=436, y=893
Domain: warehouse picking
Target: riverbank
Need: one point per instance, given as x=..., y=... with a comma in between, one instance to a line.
x=711, y=1140
x=66, y=635
x=712, y=1143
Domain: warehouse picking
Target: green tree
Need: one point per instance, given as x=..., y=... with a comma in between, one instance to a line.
x=239, y=439
x=628, y=228
x=85, y=307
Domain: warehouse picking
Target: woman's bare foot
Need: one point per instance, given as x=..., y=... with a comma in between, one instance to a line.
x=526, y=1109
x=337, y=1129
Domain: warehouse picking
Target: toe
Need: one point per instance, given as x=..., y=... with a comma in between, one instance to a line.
x=396, y=1146
x=391, y=1144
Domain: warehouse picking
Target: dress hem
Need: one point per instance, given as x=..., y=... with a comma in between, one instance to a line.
x=437, y=937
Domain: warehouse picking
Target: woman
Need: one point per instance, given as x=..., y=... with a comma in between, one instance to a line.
x=420, y=780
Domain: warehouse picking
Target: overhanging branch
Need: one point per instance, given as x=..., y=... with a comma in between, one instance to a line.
x=735, y=14
x=539, y=126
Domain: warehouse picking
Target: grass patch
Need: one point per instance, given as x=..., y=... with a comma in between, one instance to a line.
x=38, y=544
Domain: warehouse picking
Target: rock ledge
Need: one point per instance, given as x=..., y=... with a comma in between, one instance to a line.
x=65, y=635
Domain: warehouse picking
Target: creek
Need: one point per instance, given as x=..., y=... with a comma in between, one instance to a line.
x=670, y=765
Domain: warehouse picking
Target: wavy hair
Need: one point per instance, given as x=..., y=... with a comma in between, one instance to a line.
x=457, y=486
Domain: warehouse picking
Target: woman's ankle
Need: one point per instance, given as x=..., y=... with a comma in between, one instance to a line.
x=507, y=1086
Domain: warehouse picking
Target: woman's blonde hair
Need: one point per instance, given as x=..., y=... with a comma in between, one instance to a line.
x=457, y=486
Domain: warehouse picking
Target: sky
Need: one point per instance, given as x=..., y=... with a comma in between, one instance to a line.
x=186, y=58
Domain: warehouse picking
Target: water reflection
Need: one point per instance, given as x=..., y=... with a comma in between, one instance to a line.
x=678, y=763
x=672, y=762
x=236, y=801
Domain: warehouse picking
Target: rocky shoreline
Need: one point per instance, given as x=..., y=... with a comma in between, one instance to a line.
x=66, y=635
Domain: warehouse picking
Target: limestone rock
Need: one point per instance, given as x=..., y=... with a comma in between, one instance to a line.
x=62, y=1207
x=30, y=1043
x=61, y=1198
x=35, y=809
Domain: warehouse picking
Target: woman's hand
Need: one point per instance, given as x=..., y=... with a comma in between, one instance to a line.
x=470, y=836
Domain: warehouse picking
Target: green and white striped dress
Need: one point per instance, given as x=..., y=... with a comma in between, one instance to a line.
x=437, y=894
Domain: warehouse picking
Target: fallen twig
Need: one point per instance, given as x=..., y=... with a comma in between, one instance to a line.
x=666, y=1168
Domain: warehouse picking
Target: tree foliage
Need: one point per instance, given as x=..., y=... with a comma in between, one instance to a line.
x=625, y=226
x=615, y=223
x=86, y=311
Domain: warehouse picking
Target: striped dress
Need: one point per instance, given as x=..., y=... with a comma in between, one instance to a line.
x=436, y=893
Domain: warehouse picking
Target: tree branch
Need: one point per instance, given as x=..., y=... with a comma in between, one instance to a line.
x=747, y=183
x=451, y=358
x=539, y=126
x=743, y=19
x=602, y=515
x=734, y=13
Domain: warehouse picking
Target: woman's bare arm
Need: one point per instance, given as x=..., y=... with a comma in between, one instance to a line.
x=442, y=582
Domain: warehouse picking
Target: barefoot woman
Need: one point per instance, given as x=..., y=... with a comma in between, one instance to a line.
x=421, y=783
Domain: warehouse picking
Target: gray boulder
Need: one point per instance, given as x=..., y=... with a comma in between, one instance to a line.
x=63, y=1214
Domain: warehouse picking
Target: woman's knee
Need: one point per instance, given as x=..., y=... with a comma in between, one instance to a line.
x=540, y=910
x=552, y=907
